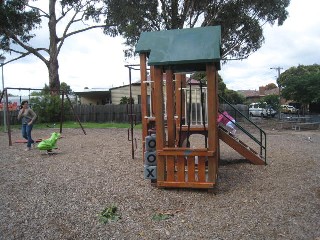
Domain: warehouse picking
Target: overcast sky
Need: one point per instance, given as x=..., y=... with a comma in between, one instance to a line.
x=94, y=60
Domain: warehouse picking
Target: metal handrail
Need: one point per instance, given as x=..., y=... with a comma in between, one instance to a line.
x=263, y=137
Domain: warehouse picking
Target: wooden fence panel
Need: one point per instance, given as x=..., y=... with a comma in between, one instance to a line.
x=119, y=113
x=105, y=113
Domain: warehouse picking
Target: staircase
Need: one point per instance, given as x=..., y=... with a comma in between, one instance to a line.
x=260, y=139
x=239, y=146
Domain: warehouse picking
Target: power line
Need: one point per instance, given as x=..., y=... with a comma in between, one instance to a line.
x=279, y=86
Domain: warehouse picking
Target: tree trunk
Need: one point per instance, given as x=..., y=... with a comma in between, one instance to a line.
x=54, y=81
x=53, y=65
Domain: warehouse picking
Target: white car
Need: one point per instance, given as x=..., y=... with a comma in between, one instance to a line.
x=261, y=110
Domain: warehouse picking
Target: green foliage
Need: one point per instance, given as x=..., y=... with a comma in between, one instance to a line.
x=270, y=86
x=272, y=100
x=201, y=76
x=242, y=21
x=109, y=214
x=46, y=90
x=301, y=84
x=35, y=93
x=19, y=18
x=66, y=88
x=233, y=97
x=16, y=20
x=126, y=100
x=48, y=108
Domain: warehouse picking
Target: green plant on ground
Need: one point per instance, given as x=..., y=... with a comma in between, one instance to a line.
x=109, y=214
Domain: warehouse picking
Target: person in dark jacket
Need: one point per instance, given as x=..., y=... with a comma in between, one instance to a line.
x=28, y=118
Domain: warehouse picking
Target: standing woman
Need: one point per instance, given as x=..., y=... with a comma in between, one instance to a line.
x=28, y=117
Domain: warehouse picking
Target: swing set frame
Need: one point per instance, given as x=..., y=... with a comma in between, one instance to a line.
x=62, y=93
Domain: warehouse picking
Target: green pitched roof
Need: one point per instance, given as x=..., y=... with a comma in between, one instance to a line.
x=184, y=49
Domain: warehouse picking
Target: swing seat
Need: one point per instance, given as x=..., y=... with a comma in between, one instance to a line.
x=25, y=141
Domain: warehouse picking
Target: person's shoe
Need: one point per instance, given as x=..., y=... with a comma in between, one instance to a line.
x=28, y=149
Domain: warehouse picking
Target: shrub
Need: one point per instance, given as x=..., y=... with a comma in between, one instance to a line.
x=48, y=108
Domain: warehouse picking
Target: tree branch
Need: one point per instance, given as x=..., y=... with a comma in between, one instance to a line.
x=78, y=31
x=32, y=50
x=40, y=10
x=19, y=52
x=21, y=56
x=63, y=14
x=86, y=29
x=64, y=35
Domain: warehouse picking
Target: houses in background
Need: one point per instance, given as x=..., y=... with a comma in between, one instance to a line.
x=115, y=94
x=110, y=96
x=256, y=95
x=98, y=96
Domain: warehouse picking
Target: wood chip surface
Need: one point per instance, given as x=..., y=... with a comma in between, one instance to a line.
x=61, y=196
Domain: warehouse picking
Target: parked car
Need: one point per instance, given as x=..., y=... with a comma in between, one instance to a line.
x=288, y=109
x=261, y=110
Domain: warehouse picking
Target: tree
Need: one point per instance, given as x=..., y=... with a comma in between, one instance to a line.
x=66, y=88
x=241, y=21
x=126, y=100
x=272, y=100
x=270, y=86
x=301, y=84
x=201, y=76
x=46, y=90
x=48, y=108
x=231, y=96
x=18, y=18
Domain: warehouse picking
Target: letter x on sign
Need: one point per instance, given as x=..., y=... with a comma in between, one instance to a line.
x=150, y=172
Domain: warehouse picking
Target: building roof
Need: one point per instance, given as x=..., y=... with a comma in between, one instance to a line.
x=261, y=93
x=274, y=91
x=249, y=93
x=93, y=92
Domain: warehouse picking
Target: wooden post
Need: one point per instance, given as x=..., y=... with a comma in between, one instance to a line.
x=144, y=120
x=180, y=108
x=152, y=97
x=212, y=90
x=159, y=114
x=170, y=108
x=171, y=128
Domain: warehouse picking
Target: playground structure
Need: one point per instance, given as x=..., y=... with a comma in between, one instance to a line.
x=7, y=110
x=169, y=160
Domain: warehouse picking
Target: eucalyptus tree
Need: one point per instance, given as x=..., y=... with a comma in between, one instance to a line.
x=20, y=18
x=241, y=21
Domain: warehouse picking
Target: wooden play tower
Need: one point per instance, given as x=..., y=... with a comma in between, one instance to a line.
x=170, y=163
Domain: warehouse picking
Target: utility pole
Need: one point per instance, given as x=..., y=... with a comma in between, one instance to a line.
x=279, y=86
x=4, y=109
